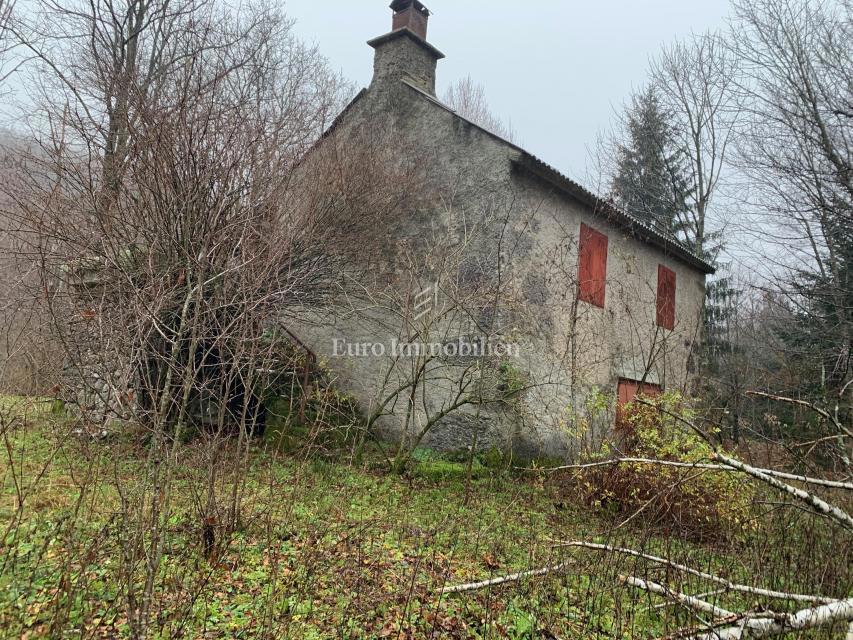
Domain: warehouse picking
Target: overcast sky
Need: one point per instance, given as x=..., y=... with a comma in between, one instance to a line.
x=555, y=70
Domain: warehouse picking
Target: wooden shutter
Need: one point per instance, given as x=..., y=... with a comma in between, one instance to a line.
x=592, y=266
x=628, y=392
x=666, y=298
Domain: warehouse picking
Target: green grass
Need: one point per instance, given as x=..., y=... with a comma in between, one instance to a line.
x=325, y=550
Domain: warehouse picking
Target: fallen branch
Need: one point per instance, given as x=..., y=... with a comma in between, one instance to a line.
x=473, y=586
x=763, y=627
x=688, y=601
x=765, y=475
x=701, y=596
x=729, y=586
x=833, y=484
x=819, y=505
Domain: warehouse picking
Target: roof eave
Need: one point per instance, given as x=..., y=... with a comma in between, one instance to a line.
x=568, y=186
x=583, y=195
x=612, y=213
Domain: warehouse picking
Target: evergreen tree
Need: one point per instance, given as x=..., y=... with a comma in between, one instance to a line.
x=650, y=180
x=820, y=336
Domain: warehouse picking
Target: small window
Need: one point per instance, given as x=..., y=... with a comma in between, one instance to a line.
x=592, y=266
x=666, y=298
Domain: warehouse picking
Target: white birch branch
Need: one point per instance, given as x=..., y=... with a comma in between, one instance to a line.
x=688, y=601
x=701, y=596
x=832, y=484
x=730, y=586
x=473, y=586
x=763, y=627
x=819, y=505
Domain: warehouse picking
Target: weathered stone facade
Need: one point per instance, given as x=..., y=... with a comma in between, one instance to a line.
x=509, y=226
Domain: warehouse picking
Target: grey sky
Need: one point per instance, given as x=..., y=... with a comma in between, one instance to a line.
x=556, y=70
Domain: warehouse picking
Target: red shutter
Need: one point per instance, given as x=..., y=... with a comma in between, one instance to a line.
x=592, y=266
x=666, y=298
x=629, y=390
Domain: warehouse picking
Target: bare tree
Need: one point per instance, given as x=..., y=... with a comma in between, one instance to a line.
x=468, y=99
x=115, y=58
x=796, y=150
x=6, y=8
x=8, y=64
x=447, y=375
x=696, y=80
x=159, y=216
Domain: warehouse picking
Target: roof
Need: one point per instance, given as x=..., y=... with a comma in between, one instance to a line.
x=337, y=121
x=651, y=234
x=606, y=208
x=600, y=206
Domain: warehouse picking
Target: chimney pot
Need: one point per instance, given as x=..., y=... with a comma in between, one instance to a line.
x=410, y=14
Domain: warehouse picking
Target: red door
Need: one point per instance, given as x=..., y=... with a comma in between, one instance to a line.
x=629, y=390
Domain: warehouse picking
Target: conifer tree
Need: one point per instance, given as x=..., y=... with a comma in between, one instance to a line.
x=650, y=180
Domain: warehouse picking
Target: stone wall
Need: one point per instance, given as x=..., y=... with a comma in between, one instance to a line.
x=403, y=55
x=514, y=226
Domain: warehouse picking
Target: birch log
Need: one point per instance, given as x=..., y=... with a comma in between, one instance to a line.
x=818, y=504
x=690, y=602
x=728, y=584
x=821, y=482
x=841, y=611
x=514, y=577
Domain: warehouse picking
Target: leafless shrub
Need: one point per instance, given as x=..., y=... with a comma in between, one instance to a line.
x=161, y=218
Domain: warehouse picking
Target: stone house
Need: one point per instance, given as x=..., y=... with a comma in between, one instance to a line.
x=587, y=304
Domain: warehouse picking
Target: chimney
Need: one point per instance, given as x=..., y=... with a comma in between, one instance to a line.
x=410, y=14
x=404, y=53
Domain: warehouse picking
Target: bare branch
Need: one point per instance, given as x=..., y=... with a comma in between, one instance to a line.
x=729, y=586
x=690, y=602
x=833, y=484
x=808, y=405
x=514, y=577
